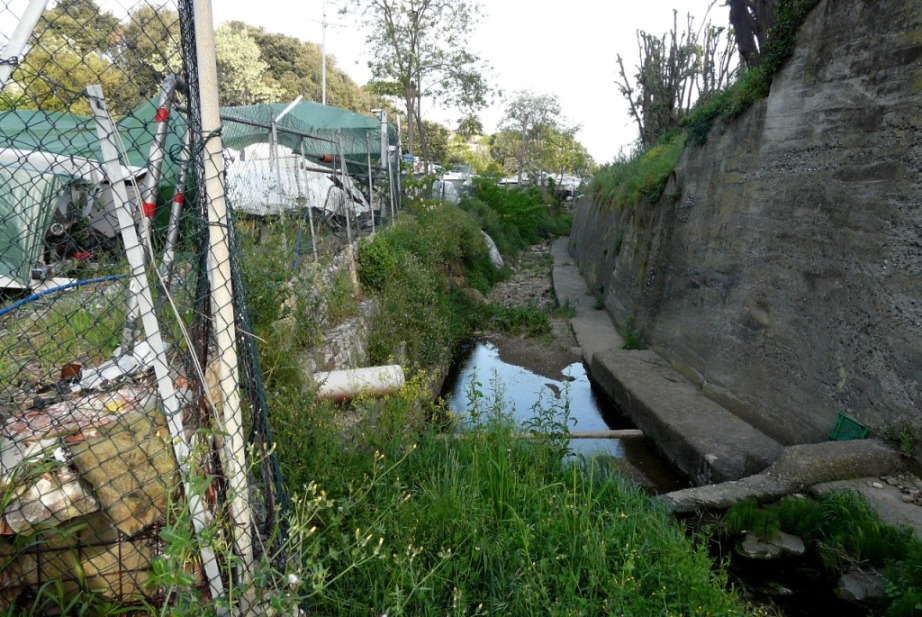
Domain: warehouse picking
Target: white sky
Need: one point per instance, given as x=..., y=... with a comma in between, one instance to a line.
x=562, y=47
x=566, y=48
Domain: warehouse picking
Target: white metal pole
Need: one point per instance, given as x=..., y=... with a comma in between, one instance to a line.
x=310, y=208
x=9, y=59
x=390, y=182
x=140, y=289
x=222, y=300
x=323, y=53
x=349, y=205
x=275, y=153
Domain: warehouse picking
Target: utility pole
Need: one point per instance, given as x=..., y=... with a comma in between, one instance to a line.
x=323, y=52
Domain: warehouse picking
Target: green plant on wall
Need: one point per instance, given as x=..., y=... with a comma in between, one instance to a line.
x=903, y=435
x=632, y=336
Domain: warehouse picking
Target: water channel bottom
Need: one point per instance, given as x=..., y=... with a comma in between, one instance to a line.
x=521, y=390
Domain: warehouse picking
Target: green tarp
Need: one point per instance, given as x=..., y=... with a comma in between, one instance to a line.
x=27, y=203
x=29, y=197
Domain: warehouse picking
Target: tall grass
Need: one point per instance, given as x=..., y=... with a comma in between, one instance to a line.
x=640, y=177
x=843, y=531
x=489, y=524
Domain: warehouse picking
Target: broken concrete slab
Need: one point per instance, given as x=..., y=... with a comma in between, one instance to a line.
x=704, y=440
x=55, y=497
x=887, y=500
x=798, y=468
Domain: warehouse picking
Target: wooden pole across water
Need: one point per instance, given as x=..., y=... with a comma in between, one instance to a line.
x=619, y=434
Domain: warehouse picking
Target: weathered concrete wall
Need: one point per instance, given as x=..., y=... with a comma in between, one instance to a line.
x=782, y=270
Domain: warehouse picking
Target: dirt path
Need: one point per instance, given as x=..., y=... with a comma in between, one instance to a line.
x=531, y=285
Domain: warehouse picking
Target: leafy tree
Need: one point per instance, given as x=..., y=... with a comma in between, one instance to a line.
x=563, y=154
x=296, y=66
x=439, y=139
x=53, y=77
x=241, y=69
x=69, y=53
x=420, y=50
x=148, y=47
x=470, y=126
x=80, y=24
x=527, y=117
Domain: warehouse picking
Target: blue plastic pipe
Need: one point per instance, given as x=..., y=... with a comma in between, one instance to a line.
x=36, y=296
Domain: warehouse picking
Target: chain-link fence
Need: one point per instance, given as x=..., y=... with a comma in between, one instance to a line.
x=135, y=452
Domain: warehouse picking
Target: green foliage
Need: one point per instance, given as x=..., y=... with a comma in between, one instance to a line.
x=530, y=321
x=266, y=270
x=633, y=336
x=843, y=530
x=377, y=262
x=514, y=218
x=756, y=83
x=488, y=524
x=295, y=67
x=903, y=435
x=410, y=273
x=642, y=177
x=904, y=583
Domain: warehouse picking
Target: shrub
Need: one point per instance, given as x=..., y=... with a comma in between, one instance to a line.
x=641, y=177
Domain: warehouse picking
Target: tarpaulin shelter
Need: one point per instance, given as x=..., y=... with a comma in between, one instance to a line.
x=31, y=194
x=360, y=134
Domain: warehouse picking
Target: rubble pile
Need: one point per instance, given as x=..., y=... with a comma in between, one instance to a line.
x=83, y=484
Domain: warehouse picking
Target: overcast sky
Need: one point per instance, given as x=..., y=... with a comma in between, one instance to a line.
x=566, y=48
x=562, y=47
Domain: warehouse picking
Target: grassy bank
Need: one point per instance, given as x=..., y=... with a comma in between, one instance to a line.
x=391, y=518
x=642, y=176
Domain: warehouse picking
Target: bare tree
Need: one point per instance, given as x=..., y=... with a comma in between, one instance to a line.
x=662, y=89
x=675, y=71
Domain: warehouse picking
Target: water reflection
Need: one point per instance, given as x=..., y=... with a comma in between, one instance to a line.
x=522, y=389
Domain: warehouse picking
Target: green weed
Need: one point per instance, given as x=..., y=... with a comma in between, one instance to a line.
x=641, y=177
x=632, y=336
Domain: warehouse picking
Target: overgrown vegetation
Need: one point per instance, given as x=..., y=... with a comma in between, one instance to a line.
x=514, y=218
x=843, y=531
x=754, y=84
x=643, y=176
x=392, y=518
x=388, y=516
x=407, y=522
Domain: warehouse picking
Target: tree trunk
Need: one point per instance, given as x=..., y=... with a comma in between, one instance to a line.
x=410, y=102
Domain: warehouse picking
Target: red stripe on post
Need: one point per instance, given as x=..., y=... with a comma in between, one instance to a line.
x=162, y=115
x=179, y=198
x=149, y=209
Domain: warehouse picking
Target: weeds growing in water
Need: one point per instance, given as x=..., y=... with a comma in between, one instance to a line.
x=843, y=530
x=491, y=524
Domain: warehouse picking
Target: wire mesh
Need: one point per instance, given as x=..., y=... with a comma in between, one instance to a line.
x=136, y=454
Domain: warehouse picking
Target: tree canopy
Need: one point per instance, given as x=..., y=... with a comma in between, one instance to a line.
x=295, y=67
x=420, y=51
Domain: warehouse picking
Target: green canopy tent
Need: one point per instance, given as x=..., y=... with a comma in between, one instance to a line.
x=360, y=134
x=32, y=193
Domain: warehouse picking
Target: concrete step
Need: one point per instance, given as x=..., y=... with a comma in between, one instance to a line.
x=705, y=441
